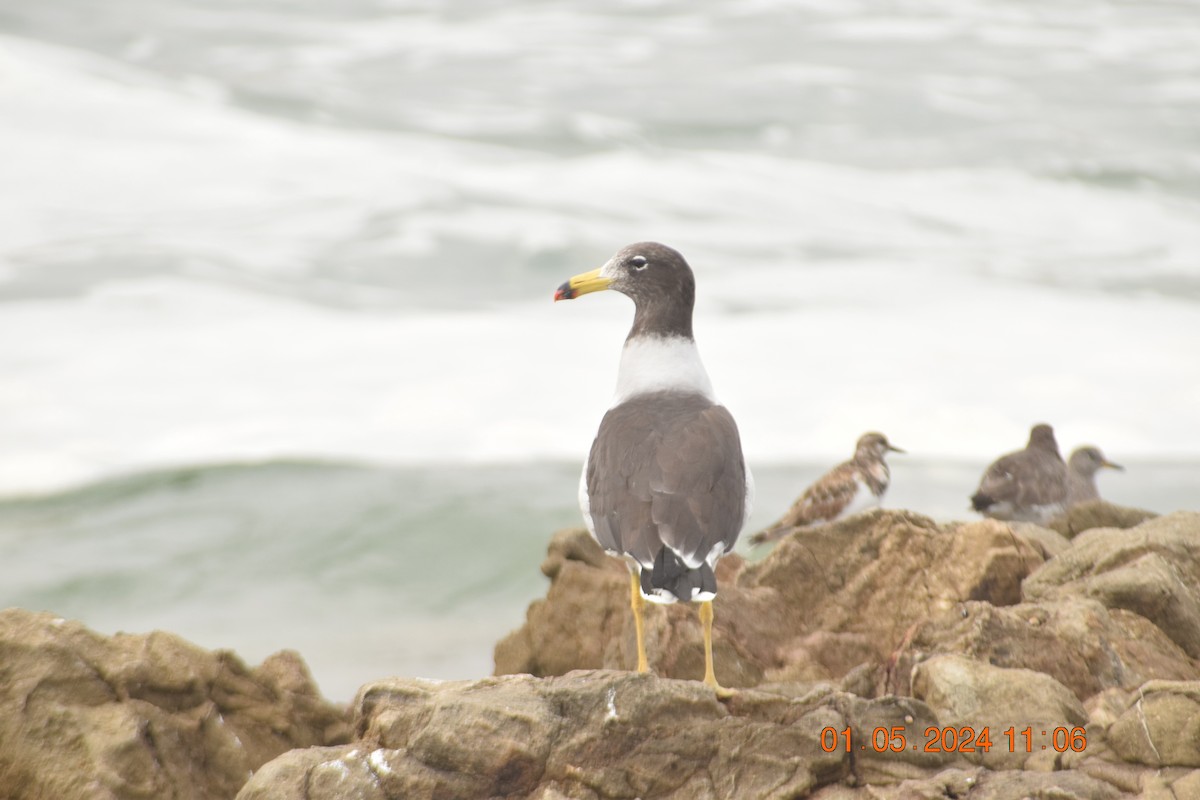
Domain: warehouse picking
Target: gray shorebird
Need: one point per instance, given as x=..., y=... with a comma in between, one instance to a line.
x=665, y=485
x=848, y=488
x=1082, y=467
x=1029, y=485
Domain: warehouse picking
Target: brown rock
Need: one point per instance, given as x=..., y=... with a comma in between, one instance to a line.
x=1048, y=543
x=1098, y=514
x=1152, y=570
x=85, y=716
x=952, y=782
x=825, y=603
x=587, y=734
x=1126, y=778
x=876, y=573
x=965, y=693
x=1161, y=727
x=823, y=656
x=981, y=784
x=1187, y=785
x=883, y=735
x=1041, y=786
x=1076, y=641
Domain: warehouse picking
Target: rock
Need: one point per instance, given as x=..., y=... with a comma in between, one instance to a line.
x=143, y=716
x=823, y=656
x=1125, y=778
x=1041, y=786
x=1161, y=726
x=882, y=757
x=879, y=572
x=581, y=618
x=1187, y=785
x=1152, y=570
x=1098, y=514
x=980, y=784
x=1047, y=542
x=1076, y=641
x=953, y=782
x=965, y=693
x=584, y=735
x=824, y=603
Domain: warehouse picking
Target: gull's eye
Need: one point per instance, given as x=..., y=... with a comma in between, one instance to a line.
x=638, y=262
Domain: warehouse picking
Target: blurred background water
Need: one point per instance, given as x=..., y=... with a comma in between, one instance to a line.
x=278, y=362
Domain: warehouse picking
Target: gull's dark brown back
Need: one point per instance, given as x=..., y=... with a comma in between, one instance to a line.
x=673, y=476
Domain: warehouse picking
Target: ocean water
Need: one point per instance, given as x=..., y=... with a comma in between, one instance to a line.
x=278, y=361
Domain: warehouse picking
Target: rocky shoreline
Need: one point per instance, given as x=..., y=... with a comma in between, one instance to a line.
x=885, y=656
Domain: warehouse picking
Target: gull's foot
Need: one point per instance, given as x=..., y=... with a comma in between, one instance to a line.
x=721, y=692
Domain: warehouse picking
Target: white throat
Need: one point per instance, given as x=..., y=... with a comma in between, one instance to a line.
x=661, y=364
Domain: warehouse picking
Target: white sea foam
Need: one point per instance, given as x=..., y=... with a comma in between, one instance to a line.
x=162, y=252
x=167, y=371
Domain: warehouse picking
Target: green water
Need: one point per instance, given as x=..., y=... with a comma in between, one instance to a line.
x=367, y=571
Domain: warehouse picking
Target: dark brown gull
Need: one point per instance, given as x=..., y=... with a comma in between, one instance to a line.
x=665, y=485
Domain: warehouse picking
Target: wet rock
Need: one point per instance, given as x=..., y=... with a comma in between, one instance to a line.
x=1152, y=570
x=85, y=716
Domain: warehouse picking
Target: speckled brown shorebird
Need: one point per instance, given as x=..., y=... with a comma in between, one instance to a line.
x=848, y=488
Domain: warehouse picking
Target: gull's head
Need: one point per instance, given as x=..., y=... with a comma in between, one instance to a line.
x=647, y=272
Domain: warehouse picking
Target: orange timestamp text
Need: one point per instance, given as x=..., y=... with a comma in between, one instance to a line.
x=938, y=739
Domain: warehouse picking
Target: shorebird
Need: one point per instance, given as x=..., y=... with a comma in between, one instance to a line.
x=1028, y=485
x=665, y=485
x=1082, y=467
x=848, y=488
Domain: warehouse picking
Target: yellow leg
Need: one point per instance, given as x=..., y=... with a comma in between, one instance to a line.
x=710, y=677
x=639, y=604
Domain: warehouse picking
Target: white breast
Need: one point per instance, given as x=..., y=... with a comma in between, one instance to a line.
x=585, y=502
x=661, y=364
x=863, y=499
